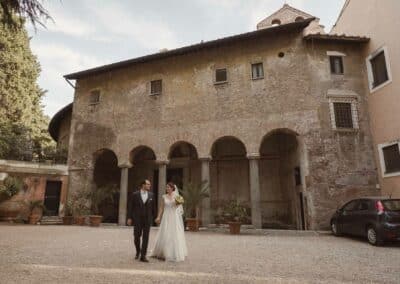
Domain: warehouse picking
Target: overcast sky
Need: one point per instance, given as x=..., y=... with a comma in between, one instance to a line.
x=89, y=33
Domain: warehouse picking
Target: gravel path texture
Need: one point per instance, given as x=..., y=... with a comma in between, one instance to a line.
x=73, y=254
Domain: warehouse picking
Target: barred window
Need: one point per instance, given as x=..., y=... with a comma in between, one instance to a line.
x=94, y=97
x=257, y=71
x=343, y=115
x=220, y=75
x=391, y=156
x=156, y=87
x=336, y=63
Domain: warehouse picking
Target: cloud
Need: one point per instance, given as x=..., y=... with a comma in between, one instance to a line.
x=149, y=32
x=64, y=59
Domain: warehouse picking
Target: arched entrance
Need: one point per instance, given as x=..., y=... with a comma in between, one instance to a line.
x=143, y=160
x=183, y=166
x=229, y=170
x=106, y=173
x=280, y=180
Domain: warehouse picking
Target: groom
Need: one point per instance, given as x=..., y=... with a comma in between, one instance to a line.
x=140, y=214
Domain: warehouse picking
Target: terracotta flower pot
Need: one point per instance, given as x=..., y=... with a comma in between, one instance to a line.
x=79, y=220
x=193, y=224
x=68, y=220
x=234, y=227
x=95, y=220
x=34, y=219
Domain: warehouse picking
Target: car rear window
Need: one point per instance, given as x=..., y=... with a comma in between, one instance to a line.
x=392, y=205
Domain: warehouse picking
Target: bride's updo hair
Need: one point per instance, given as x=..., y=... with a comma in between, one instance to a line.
x=171, y=185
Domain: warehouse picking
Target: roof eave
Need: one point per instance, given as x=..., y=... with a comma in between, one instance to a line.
x=188, y=49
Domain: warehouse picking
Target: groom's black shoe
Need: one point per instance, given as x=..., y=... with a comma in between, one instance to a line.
x=143, y=259
x=137, y=256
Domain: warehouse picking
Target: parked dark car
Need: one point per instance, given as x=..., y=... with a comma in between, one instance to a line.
x=376, y=218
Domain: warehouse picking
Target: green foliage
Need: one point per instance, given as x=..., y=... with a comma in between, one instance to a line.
x=10, y=187
x=23, y=126
x=235, y=211
x=36, y=204
x=25, y=9
x=101, y=194
x=68, y=211
x=194, y=194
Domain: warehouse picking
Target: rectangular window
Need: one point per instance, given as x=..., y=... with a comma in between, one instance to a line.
x=257, y=71
x=94, y=97
x=343, y=115
x=379, y=70
x=220, y=75
x=391, y=156
x=156, y=87
x=336, y=65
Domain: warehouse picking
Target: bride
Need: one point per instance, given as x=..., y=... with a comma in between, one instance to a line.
x=170, y=242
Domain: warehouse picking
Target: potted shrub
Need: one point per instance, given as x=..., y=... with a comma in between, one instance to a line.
x=80, y=210
x=36, y=208
x=9, y=206
x=194, y=194
x=98, y=196
x=235, y=213
x=68, y=219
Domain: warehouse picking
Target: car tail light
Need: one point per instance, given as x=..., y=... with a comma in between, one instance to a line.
x=379, y=207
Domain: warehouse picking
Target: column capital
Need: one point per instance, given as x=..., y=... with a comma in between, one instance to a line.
x=208, y=158
x=253, y=156
x=125, y=165
x=162, y=162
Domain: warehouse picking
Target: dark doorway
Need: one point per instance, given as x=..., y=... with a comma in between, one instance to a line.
x=176, y=176
x=52, y=198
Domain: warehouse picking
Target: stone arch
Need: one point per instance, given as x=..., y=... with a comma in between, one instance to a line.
x=184, y=165
x=281, y=179
x=143, y=161
x=299, y=19
x=229, y=171
x=275, y=22
x=235, y=142
x=107, y=173
x=182, y=149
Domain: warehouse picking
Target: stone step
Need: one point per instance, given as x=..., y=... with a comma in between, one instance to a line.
x=51, y=220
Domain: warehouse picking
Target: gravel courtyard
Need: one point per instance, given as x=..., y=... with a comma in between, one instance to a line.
x=72, y=254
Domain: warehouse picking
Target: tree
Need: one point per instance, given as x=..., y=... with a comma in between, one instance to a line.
x=14, y=12
x=23, y=126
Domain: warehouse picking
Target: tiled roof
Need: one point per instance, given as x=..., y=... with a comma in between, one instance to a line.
x=192, y=48
x=337, y=37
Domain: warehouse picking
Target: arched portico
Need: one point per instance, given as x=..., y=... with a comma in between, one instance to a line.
x=281, y=183
x=105, y=173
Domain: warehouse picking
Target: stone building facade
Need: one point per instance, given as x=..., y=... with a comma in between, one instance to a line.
x=259, y=116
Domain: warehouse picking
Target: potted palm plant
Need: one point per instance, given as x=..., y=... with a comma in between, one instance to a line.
x=36, y=208
x=68, y=219
x=194, y=194
x=80, y=210
x=235, y=213
x=98, y=196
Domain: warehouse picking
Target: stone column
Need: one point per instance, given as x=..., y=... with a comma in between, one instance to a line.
x=255, y=191
x=123, y=195
x=205, y=178
x=162, y=180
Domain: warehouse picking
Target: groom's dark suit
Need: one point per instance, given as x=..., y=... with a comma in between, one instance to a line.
x=141, y=215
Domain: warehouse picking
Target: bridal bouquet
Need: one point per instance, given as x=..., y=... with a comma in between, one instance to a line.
x=179, y=200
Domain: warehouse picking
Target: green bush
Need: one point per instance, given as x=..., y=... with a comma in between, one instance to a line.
x=10, y=187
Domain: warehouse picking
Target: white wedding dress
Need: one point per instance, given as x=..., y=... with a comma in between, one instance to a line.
x=170, y=242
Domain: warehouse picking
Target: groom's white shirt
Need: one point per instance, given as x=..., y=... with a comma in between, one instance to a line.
x=144, y=195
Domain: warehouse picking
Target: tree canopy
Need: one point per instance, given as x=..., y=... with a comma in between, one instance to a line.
x=23, y=126
x=14, y=12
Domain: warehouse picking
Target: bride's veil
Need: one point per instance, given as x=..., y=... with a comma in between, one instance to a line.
x=179, y=209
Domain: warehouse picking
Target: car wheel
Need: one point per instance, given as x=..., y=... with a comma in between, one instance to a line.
x=335, y=230
x=373, y=237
